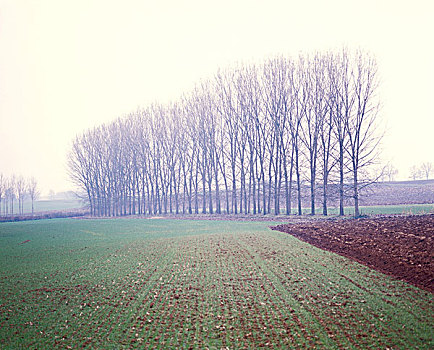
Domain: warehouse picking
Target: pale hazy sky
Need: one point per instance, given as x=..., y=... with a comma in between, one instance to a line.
x=66, y=65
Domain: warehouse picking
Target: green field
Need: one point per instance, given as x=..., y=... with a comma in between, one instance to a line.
x=131, y=283
x=50, y=205
x=405, y=209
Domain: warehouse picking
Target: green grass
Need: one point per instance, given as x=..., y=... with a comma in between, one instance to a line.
x=397, y=209
x=130, y=283
x=46, y=205
x=406, y=209
x=55, y=204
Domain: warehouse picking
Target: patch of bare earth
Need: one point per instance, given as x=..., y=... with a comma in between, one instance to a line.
x=400, y=246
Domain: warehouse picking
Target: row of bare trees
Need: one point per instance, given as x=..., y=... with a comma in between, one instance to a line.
x=423, y=171
x=244, y=141
x=14, y=190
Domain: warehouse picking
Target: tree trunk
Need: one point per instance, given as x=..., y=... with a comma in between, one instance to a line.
x=297, y=171
x=312, y=192
x=356, y=195
x=324, y=194
x=341, y=179
x=217, y=191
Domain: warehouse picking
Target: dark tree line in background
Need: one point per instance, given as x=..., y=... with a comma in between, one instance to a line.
x=245, y=141
x=14, y=190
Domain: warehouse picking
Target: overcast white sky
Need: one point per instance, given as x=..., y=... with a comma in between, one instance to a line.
x=66, y=66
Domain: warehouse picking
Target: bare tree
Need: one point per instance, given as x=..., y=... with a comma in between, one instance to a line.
x=389, y=172
x=79, y=168
x=227, y=108
x=243, y=139
x=314, y=110
x=32, y=188
x=11, y=193
x=328, y=145
x=251, y=95
x=341, y=101
x=296, y=120
x=276, y=95
x=363, y=138
x=415, y=173
x=426, y=169
x=257, y=136
x=2, y=190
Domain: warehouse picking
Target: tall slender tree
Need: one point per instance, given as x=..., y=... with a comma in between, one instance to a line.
x=363, y=138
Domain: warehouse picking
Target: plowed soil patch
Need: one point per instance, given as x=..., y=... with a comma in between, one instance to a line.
x=399, y=246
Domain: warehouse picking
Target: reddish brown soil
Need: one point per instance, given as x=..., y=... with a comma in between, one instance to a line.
x=400, y=246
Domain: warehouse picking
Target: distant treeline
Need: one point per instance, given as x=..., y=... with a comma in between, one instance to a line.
x=14, y=190
x=244, y=141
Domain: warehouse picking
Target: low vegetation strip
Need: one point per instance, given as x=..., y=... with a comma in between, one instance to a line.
x=401, y=246
x=195, y=284
x=43, y=216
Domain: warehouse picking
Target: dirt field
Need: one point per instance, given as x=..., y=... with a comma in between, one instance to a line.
x=400, y=246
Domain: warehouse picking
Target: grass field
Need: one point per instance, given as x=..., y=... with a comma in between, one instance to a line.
x=405, y=209
x=129, y=283
x=49, y=205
